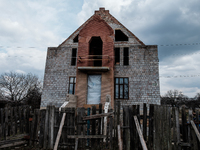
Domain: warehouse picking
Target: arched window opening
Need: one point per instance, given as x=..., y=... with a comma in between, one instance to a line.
x=96, y=51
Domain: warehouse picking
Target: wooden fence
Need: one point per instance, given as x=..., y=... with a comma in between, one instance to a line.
x=163, y=128
x=125, y=127
x=16, y=124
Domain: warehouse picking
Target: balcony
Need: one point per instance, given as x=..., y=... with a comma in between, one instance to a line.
x=94, y=63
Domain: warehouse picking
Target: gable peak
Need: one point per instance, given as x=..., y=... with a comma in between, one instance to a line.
x=101, y=10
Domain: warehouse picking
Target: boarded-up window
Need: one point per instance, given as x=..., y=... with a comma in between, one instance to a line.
x=72, y=85
x=94, y=89
x=117, y=56
x=126, y=56
x=73, y=59
x=121, y=88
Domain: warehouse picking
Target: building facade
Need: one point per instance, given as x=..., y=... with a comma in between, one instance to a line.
x=102, y=58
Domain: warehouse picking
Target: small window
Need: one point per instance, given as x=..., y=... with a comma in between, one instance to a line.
x=126, y=56
x=117, y=56
x=75, y=40
x=120, y=36
x=121, y=88
x=73, y=59
x=72, y=85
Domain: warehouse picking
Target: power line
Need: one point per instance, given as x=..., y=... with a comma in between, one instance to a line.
x=186, y=44
x=181, y=76
x=183, y=44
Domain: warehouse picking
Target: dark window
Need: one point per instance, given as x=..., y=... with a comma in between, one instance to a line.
x=120, y=36
x=75, y=40
x=121, y=88
x=117, y=56
x=73, y=59
x=72, y=85
x=126, y=56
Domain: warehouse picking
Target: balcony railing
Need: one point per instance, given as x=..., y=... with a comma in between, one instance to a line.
x=93, y=58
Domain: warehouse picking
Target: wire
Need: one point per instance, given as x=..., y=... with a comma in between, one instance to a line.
x=184, y=44
x=181, y=76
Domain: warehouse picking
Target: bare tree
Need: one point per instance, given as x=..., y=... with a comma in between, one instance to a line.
x=173, y=98
x=175, y=94
x=197, y=97
x=17, y=87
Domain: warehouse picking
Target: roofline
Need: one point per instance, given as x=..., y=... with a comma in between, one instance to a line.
x=107, y=23
x=76, y=31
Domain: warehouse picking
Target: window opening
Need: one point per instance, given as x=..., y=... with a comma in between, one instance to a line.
x=73, y=59
x=126, y=56
x=75, y=40
x=120, y=36
x=121, y=88
x=72, y=85
x=94, y=89
x=117, y=56
x=96, y=51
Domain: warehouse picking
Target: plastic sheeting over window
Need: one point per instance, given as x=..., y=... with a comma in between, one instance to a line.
x=94, y=89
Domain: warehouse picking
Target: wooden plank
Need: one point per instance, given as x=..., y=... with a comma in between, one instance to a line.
x=119, y=137
x=80, y=114
x=177, y=127
x=13, y=144
x=111, y=129
x=88, y=126
x=135, y=141
x=126, y=131
x=175, y=146
x=76, y=144
x=86, y=136
x=197, y=118
x=15, y=118
x=60, y=131
x=131, y=127
x=184, y=126
x=151, y=127
x=46, y=128
x=20, y=119
x=2, y=123
x=195, y=129
x=51, y=129
x=100, y=121
x=156, y=125
x=142, y=141
x=42, y=124
x=106, y=107
x=11, y=121
x=145, y=121
x=93, y=141
x=97, y=116
x=169, y=140
x=6, y=123
x=193, y=139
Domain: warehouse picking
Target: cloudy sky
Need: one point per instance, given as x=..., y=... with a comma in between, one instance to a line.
x=28, y=27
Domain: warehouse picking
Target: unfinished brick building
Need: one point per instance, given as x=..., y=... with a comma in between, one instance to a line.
x=101, y=58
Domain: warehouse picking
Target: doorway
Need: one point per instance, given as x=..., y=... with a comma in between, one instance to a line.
x=94, y=89
x=96, y=51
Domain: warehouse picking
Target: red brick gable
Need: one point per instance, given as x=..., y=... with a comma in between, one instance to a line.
x=96, y=27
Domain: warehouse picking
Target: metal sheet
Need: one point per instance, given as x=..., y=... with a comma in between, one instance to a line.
x=94, y=89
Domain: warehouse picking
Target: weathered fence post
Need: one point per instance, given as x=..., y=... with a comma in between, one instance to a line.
x=42, y=126
x=193, y=140
x=145, y=121
x=126, y=130
x=93, y=141
x=46, y=139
